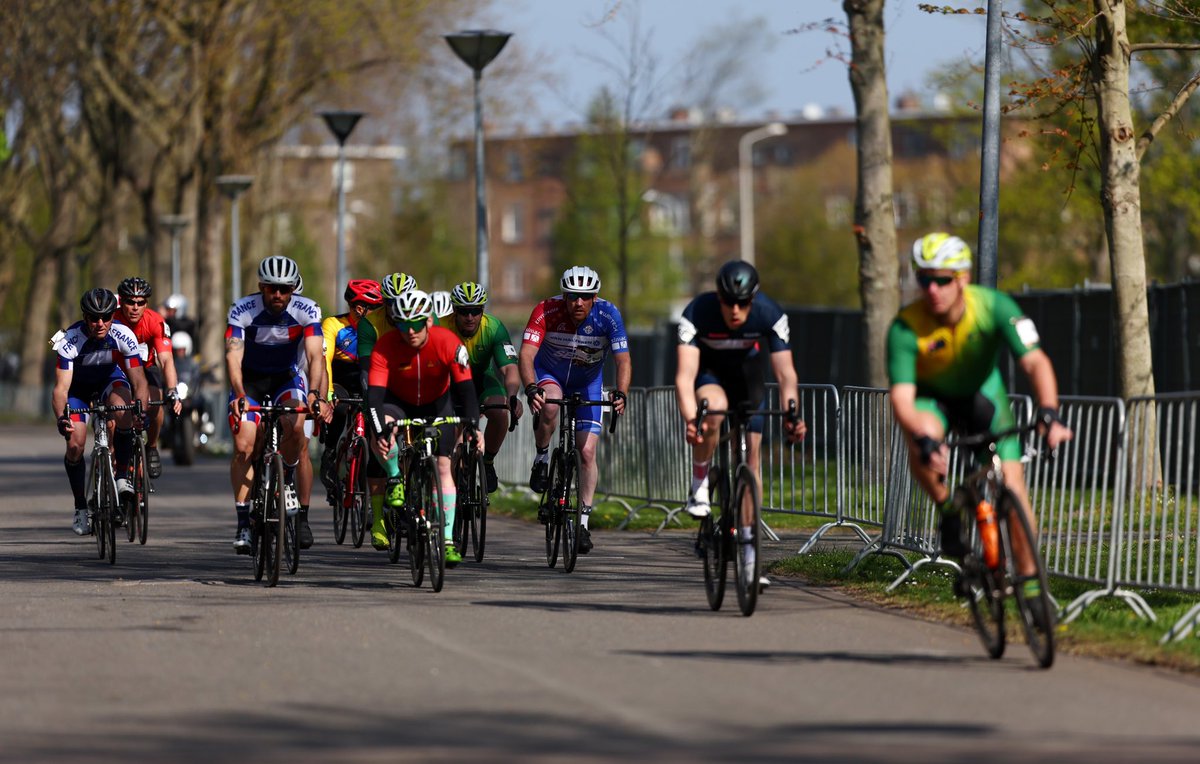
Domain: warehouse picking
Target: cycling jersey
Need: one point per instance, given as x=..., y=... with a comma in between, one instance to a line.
x=703, y=326
x=574, y=355
x=341, y=350
x=152, y=333
x=274, y=342
x=91, y=360
x=490, y=344
x=419, y=376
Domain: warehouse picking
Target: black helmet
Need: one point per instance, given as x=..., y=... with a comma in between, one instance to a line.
x=737, y=280
x=98, y=301
x=135, y=286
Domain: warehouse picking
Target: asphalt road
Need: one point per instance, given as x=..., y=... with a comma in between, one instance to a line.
x=176, y=654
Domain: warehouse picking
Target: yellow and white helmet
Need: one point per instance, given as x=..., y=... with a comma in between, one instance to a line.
x=941, y=251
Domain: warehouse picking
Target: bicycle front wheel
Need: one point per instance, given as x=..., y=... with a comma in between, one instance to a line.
x=418, y=528
x=571, y=514
x=291, y=545
x=343, y=496
x=435, y=523
x=106, y=500
x=143, y=493
x=549, y=505
x=137, y=462
x=1036, y=611
x=274, y=522
x=258, y=511
x=747, y=510
x=711, y=538
x=361, y=504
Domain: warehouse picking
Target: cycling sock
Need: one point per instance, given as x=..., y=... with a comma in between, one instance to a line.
x=449, y=501
x=243, y=514
x=489, y=457
x=699, y=474
x=377, y=507
x=543, y=455
x=391, y=463
x=75, y=476
x=585, y=512
x=123, y=450
x=289, y=472
x=304, y=513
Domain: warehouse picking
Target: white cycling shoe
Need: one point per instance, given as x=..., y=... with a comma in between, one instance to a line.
x=82, y=525
x=698, y=505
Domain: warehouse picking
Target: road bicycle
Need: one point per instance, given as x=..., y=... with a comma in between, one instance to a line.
x=352, y=496
x=419, y=523
x=560, y=507
x=274, y=506
x=470, y=481
x=137, y=511
x=732, y=528
x=992, y=518
x=102, y=500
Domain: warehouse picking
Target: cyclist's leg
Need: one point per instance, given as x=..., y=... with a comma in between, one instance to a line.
x=73, y=459
x=547, y=422
x=154, y=379
x=241, y=467
x=118, y=393
x=387, y=454
x=491, y=392
x=708, y=388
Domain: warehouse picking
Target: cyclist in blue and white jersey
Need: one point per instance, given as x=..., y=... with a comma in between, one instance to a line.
x=269, y=335
x=725, y=339
x=97, y=359
x=563, y=351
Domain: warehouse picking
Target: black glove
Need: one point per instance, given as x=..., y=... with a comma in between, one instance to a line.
x=63, y=423
x=617, y=395
x=531, y=390
x=1048, y=416
x=928, y=446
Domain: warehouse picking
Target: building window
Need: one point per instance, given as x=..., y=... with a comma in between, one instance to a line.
x=681, y=152
x=513, y=171
x=512, y=227
x=458, y=163
x=837, y=211
x=545, y=225
x=513, y=281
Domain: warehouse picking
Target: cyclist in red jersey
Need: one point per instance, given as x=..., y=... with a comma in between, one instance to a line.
x=419, y=370
x=154, y=346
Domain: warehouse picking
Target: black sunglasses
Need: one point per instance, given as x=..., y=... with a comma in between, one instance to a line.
x=475, y=311
x=924, y=280
x=95, y=318
x=573, y=296
x=279, y=288
x=739, y=303
x=135, y=303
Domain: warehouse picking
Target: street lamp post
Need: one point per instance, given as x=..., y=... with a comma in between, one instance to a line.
x=477, y=48
x=175, y=225
x=341, y=124
x=233, y=186
x=746, y=186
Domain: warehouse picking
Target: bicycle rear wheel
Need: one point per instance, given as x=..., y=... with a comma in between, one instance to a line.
x=986, y=603
x=435, y=523
x=479, y=508
x=747, y=561
x=1037, y=613
x=362, y=494
x=550, y=504
x=571, y=513
x=143, y=493
x=274, y=523
x=461, y=465
x=137, y=461
x=711, y=540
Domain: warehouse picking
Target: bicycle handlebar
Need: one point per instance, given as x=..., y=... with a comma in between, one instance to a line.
x=704, y=411
x=985, y=438
x=511, y=407
x=576, y=402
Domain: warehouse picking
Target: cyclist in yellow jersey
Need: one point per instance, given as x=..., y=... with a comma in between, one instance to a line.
x=490, y=349
x=942, y=355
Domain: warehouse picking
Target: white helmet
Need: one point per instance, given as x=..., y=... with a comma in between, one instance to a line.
x=178, y=303
x=397, y=283
x=182, y=341
x=580, y=279
x=409, y=306
x=941, y=251
x=442, y=305
x=299, y=285
x=279, y=270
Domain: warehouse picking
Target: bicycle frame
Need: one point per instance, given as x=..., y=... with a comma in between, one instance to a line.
x=103, y=526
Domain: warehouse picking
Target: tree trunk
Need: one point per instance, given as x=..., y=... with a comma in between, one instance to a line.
x=874, y=217
x=35, y=328
x=1121, y=198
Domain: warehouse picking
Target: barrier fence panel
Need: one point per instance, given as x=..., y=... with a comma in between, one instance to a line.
x=621, y=455
x=803, y=479
x=668, y=456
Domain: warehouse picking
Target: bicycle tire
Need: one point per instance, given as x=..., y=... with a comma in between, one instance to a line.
x=258, y=510
x=1037, y=621
x=101, y=517
x=986, y=605
x=745, y=488
x=131, y=508
x=274, y=522
x=479, y=508
x=110, y=525
x=344, y=491
x=417, y=528
x=461, y=466
x=362, y=494
x=396, y=524
x=711, y=539
x=554, y=525
x=143, y=488
x=291, y=544
x=435, y=525
x=571, y=509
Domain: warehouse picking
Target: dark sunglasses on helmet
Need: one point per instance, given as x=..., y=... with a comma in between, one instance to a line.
x=469, y=310
x=925, y=279
x=95, y=318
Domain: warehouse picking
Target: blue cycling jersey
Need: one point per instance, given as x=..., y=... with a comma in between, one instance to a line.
x=274, y=341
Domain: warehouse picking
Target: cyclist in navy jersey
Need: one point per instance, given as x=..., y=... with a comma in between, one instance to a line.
x=725, y=339
x=97, y=359
x=562, y=352
x=274, y=348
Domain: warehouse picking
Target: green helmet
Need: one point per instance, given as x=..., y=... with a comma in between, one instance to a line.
x=941, y=251
x=395, y=284
x=468, y=294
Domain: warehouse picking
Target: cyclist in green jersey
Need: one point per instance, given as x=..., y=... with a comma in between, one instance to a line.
x=492, y=356
x=942, y=356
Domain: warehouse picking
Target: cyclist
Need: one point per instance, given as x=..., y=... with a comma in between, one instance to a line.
x=722, y=336
x=563, y=350
x=489, y=348
x=174, y=312
x=443, y=304
x=342, y=367
x=268, y=334
x=97, y=359
x=942, y=363
x=419, y=370
x=154, y=345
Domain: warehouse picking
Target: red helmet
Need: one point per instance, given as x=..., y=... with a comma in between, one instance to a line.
x=365, y=291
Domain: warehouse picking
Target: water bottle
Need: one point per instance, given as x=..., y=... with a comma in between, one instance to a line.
x=989, y=534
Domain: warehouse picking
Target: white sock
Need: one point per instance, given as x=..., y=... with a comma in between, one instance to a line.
x=584, y=514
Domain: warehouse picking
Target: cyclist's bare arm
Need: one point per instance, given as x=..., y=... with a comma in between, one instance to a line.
x=687, y=365
x=624, y=366
x=235, y=350
x=528, y=377
x=166, y=362
x=58, y=396
x=314, y=349
x=912, y=422
x=785, y=375
x=512, y=384
x=1038, y=367
x=141, y=388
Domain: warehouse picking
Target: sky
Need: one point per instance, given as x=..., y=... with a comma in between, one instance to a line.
x=796, y=72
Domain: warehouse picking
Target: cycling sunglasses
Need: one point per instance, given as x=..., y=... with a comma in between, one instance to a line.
x=134, y=303
x=739, y=303
x=414, y=326
x=469, y=311
x=924, y=280
x=573, y=296
x=278, y=288
x=96, y=318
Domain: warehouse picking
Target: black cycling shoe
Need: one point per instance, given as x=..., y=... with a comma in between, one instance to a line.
x=950, y=528
x=539, y=477
x=492, y=482
x=153, y=463
x=585, y=540
x=304, y=535
x=543, y=514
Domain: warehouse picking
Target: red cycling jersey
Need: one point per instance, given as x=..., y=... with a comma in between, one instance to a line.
x=153, y=335
x=422, y=376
